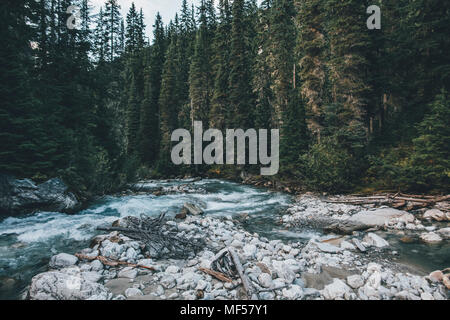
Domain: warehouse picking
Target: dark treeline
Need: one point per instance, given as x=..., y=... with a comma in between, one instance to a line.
x=355, y=107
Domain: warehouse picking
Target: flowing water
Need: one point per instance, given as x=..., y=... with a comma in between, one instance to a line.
x=28, y=242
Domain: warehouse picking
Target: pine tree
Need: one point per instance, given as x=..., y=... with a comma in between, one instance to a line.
x=219, y=114
x=201, y=78
x=240, y=95
x=112, y=28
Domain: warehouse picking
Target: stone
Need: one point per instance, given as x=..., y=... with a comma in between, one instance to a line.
x=172, y=269
x=375, y=240
x=430, y=237
x=168, y=281
x=436, y=276
x=128, y=272
x=437, y=215
x=355, y=281
x=426, y=296
x=193, y=209
x=337, y=289
x=381, y=217
x=62, y=260
x=65, y=285
x=283, y=271
x=346, y=227
x=96, y=265
x=444, y=233
x=293, y=293
x=265, y=280
x=23, y=196
x=92, y=276
x=132, y=292
x=345, y=245
x=250, y=250
x=325, y=247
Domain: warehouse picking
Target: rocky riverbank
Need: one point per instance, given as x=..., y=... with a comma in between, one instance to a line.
x=353, y=266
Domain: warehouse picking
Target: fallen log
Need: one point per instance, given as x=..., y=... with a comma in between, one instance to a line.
x=218, y=275
x=240, y=270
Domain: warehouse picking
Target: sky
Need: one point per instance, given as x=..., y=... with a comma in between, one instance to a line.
x=167, y=9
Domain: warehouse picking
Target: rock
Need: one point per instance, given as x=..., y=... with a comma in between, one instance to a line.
x=347, y=245
x=172, y=269
x=193, y=209
x=446, y=281
x=265, y=280
x=430, y=237
x=426, y=296
x=65, y=285
x=437, y=215
x=128, y=272
x=293, y=293
x=168, y=281
x=355, y=281
x=436, y=276
x=92, y=276
x=96, y=265
x=22, y=196
x=325, y=247
x=132, y=292
x=62, y=260
x=283, y=271
x=444, y=233
x=183, y=214
x=359, y=245
x=346, y=227
x=250, y=250
x=337, y=289
x=131, y=254
x=381, y=217
x=267, y=296
x=375, y=240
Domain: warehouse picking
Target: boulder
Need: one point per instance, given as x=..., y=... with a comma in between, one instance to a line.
x=132, y=292
x=444, y=233
x=355, y=281
x=375, y=240
x=293, y=293
x=336, y=290
x=381, y=217
x=128, y=272
x=430, y=237
x=325, y=247
x=65, y=285
x=283, y=271
x=437, y=215
x=265, y=280
x=193, y=209
x=62, y=260
x=23, y=196
x=346, y=227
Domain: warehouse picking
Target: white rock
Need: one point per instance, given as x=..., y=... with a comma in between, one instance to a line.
x=250, y=250
x=375, y=240
x=62, y=260
x=335, y=290
x=96, y=265
x=168, y=281
x=381, y=217
x=92, y=276
x=355, y=281
x=283, y=271
x=437, y=215
x=347, y=245
x=131, y=254
x=172, y=269
x=265, y=280
x=444, y=233
x=426, y=296
x=132, y=292
x=128, y=272
x=65, y=285
x=293, y=293
x=326, y=247
x=430, y=237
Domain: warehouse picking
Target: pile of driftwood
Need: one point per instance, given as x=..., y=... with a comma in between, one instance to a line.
x=398, y=201
x=161, y=239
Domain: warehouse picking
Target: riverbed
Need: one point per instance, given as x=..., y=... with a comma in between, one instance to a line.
x=28, y=242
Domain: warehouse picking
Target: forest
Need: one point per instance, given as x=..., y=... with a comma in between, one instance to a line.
x=357, y=109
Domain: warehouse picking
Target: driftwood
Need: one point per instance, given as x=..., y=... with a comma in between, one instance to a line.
x=398, y=200
x=161, y=239
x=218, y=275
x=240, y=270
x=111, y=262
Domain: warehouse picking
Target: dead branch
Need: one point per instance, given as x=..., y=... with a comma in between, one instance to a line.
x=240, y=270
x=110, y=262
x=218, y=275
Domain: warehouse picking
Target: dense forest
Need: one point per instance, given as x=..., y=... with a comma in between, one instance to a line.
x=356, y=108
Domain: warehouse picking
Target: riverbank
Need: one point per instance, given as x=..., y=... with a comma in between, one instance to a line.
x=359, y=265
